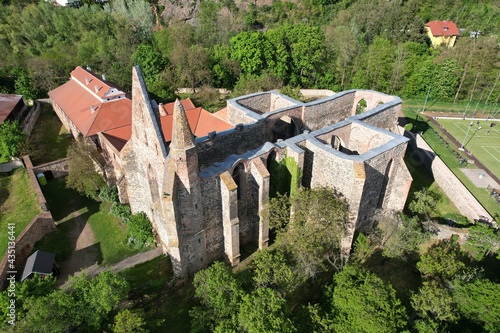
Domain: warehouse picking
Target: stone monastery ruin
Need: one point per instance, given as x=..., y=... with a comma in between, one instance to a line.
x=203, y=179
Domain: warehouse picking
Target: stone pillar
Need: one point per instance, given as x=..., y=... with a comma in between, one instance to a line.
x=262, y=177
x=354, y=203
x=230, y=221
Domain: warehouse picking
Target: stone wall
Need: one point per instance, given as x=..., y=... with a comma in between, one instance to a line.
x=41, y=198
x=236, y=141
x=383, y=116
x=327, y=112
x=212, y=216
x=59, y=168
x=30, y=120
x=465, y=202
x=41, y=225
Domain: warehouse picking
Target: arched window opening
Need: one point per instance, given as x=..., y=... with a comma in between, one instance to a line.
x=361, y=106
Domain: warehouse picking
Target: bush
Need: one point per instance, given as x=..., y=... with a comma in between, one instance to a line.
x=109, y=194
x=121, y=211
x=140, y=230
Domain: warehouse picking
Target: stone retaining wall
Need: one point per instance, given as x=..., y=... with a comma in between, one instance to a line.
x=39, y=226
x=30, y=120
x=59, y=168
x=466, y=203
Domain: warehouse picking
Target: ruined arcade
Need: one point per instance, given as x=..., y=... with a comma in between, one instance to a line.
x=205, y=195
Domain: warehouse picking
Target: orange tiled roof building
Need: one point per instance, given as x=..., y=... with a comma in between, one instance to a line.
x=442, y=33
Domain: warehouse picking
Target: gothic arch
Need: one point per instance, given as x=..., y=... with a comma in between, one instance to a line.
x=361, y=106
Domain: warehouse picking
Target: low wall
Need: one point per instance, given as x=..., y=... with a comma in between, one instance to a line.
x=30, y=120
x=41, y=225
x=59, y=168
x=466, y=203
x=36, y=185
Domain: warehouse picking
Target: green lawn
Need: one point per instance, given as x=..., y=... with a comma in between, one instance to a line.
x=422, y=178
x=445, y=150
x=49, y=140
x=18, y=204
x=485, y=146
x=438, y=106
x=65, y=204
x=166, y=307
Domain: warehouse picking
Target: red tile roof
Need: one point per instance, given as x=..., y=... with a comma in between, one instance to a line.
x=200, y=121
x=443, y=28
x=7, y=104
x=169, y=107
x=90, y=112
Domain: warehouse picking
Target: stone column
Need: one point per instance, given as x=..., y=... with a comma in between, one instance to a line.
x=230, y=221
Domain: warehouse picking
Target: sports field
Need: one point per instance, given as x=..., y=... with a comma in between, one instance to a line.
x=479, y=138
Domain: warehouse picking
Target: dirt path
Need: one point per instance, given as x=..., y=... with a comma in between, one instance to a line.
x=126, y=263
x=86, y=251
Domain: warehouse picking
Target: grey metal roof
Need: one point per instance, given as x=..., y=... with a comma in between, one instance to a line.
x=39, y=262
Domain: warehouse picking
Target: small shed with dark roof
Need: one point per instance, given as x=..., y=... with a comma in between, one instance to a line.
x=41, y=263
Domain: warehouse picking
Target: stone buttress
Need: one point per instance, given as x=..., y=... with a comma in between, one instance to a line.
x=182, y=198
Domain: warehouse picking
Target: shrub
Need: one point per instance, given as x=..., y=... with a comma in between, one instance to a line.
x=140, y=230
x=109, y=194
x=121, y=211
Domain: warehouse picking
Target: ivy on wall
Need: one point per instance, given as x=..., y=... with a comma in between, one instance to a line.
x=285, y=177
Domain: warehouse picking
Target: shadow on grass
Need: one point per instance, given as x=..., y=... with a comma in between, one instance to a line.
x=166, y=306
x=5, y=181
x=49, y=140
x=64, y=201
x=401, y=274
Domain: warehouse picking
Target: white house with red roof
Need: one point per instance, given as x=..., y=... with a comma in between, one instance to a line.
x=88, y=105
x=92, y=107
x=442, y=33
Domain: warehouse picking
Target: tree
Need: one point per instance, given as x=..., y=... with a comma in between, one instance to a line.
x=220, y=295
x=423, y=202
x=12, y=138
x=127, y=321
x=443, y=261
x=97, y=297
x=264, y=311
x=273, y=270
x=85, y=305
x=482, y=241
x=252, y=50
x=359, y=301
x=82, y=172
x=405, y=239
x=478, y=301
x=315, y=230
x=434, y=302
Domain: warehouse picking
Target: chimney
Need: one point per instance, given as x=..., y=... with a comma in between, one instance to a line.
x=96, y=88
x=87, y=80
x=162, y=110
x=104, y=77
x=92, y=108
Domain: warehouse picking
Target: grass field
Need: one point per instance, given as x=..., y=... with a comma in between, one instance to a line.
x=18, y=204
x=49, y=140
x=483, y=144
x=65, y=204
